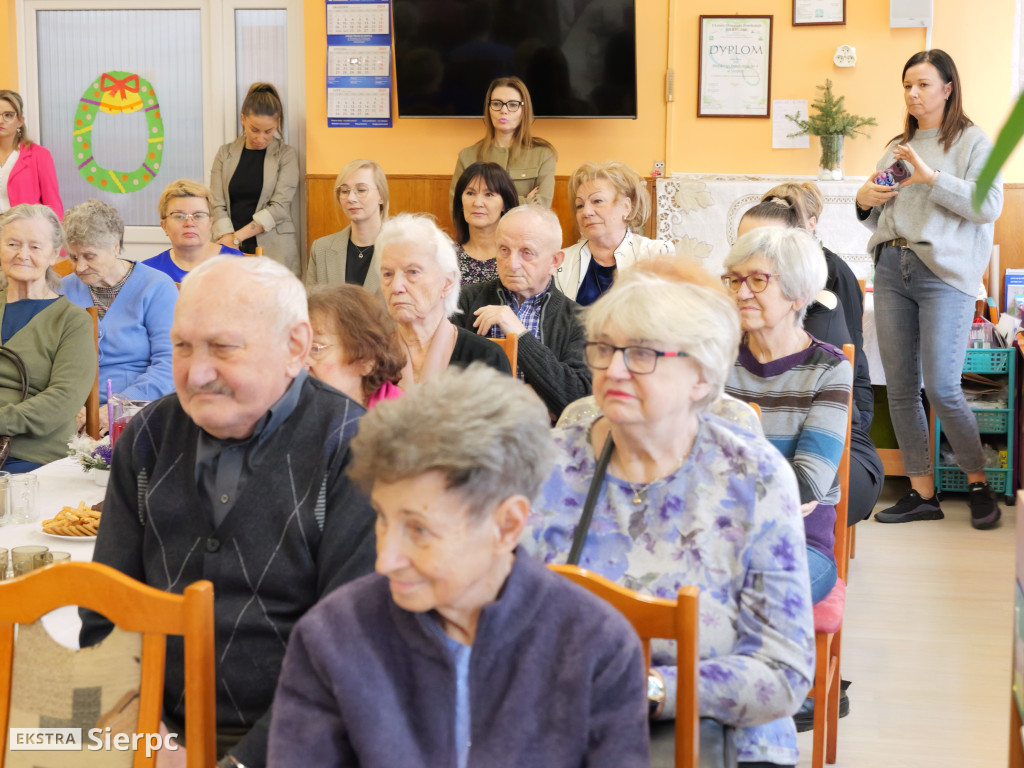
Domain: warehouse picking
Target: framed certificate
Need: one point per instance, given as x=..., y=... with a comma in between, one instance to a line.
x=735, y=66
x=808, y=13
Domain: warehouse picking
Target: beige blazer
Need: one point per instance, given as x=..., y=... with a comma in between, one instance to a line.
x=273, y=211
x=533, y=168
x=327, y=260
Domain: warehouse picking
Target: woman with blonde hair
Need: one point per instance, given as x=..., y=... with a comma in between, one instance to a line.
x=27, y=173
x=509, y=141
x=611, y=203
x=253, y=181
x=361, y=190
x=185, y=218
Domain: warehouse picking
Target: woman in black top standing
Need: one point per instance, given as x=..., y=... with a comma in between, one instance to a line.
x=253, y=181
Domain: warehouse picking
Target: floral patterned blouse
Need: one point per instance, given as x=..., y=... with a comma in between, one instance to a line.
x=728, y=521
x=474, y=270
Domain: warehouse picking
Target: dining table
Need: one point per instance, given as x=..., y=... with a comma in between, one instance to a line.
x=61, y=483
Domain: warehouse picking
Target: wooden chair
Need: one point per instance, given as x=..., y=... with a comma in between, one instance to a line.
x=92, y=402
x=656, y=617
x=511, y=346
x=133, y=607
x=828, y=621
x=756, y=409
x=259, y=252
x=64, y=267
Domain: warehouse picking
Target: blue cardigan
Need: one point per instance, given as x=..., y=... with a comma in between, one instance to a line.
x=135, y=340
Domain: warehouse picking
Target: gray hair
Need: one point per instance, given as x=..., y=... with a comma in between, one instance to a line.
x=549, y=226
x=94, y=223
x=673, y=301
x=25, y=211
x=422, y=229
x=486, y=432
x=28, y=212
x=287, y=293
x=792, y=254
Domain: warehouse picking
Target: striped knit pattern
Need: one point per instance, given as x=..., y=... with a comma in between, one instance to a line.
x=803, y=399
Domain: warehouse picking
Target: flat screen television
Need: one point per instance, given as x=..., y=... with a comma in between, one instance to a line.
x=577, y=57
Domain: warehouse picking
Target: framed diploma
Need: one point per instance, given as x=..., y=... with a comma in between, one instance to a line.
x=808, y=13
x=735, y=66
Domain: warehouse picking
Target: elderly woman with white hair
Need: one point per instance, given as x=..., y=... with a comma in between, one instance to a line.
x=461, y=649
x=419, y=278
x=50, y=365
x=681, y=496
x=135, y=304
x=802, y=385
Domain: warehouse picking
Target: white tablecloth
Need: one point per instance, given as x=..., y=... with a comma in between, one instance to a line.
x=61, y=483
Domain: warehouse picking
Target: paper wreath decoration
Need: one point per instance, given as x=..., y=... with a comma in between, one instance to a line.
x=118, y=93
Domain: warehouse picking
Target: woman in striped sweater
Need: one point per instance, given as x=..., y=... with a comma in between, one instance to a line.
x=802, y=385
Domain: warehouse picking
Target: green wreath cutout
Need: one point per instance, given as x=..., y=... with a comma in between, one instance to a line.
x=118, y=93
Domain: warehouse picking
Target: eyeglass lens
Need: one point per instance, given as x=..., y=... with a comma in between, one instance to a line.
x=513, y=106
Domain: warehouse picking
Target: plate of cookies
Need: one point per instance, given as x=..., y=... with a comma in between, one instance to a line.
x=81, y=523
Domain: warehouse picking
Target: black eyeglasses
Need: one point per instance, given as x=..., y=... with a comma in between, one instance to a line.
x=756, y=281
x=639, y=360
x=497, y=104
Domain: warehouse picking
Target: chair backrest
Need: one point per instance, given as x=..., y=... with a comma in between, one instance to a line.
x=842, y=549
x=64, y=267
x=259, y=251
x=511, y=346
x=756, y=408
x=133, y=607
x=92, y=402
x=656, y=617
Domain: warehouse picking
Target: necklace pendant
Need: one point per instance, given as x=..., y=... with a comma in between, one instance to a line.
x=637, y=499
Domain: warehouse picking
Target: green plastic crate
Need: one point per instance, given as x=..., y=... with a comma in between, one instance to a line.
x=953, y=479
x=992, y=421
x=987, y=361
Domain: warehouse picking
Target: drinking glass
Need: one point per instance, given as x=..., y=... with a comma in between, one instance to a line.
x=3, y=563
x=5, y=499
x=23, y=557
x=24, y=493
x=43, y=559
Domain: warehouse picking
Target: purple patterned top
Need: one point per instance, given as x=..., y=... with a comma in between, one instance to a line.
x=474, y=270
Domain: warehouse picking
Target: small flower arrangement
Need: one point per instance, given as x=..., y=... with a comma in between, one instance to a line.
x=91, y=454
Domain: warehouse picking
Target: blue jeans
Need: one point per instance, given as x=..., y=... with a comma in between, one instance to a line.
x=823, y=574
x=923, y=327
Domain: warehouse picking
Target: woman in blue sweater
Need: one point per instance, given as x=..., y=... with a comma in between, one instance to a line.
x=135, y=305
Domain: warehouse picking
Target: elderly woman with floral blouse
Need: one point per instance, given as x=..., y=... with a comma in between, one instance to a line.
x=688, y=498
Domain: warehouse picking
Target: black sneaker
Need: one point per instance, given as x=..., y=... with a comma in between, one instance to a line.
x=804, y=718
x=910, y=508
x=984, y=504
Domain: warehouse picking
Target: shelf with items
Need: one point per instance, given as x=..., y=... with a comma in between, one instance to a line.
x=995, y=424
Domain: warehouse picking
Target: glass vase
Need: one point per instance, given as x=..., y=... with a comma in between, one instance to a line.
x=830, y=166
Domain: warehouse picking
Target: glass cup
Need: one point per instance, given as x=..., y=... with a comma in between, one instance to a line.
x=43, y=559
x=23, y=496
x=3, y=563
x=23, y=557
x=5, y=500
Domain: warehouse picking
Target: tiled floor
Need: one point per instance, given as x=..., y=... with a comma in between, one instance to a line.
x=927, y=643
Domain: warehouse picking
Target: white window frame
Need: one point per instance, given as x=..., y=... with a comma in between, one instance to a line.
x=220, y=124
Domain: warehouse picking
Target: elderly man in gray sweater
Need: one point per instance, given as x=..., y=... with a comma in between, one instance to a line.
x=524, y=301
x=239, y=477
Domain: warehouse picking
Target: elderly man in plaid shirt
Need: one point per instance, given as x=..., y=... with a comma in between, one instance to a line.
x=523, y=301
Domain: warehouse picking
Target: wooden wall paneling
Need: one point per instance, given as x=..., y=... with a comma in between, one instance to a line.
x=426, y=194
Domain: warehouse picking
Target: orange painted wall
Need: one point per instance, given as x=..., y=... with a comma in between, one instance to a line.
x=9, y=50
x=802, y=59
x=431, y=145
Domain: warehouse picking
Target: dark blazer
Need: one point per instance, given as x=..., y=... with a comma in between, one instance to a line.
x=553, y=364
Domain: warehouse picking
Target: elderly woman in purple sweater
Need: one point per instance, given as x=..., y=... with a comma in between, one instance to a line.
x=461, y=650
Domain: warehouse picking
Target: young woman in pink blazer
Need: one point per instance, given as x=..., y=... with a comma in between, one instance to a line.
x=27, y=174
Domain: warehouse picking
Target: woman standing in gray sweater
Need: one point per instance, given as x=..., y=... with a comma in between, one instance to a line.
x=931, y=248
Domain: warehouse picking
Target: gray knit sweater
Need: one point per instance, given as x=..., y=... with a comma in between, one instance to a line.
x=298, y=530
x=939, y=222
